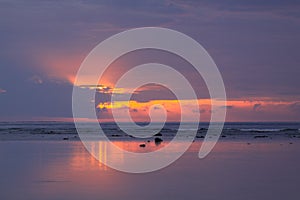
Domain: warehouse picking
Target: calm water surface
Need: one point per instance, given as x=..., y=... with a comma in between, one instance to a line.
x=261, y=169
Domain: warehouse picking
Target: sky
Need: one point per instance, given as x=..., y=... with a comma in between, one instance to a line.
x=254, y=43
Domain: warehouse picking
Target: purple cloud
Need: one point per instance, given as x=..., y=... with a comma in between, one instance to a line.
x=254, y=43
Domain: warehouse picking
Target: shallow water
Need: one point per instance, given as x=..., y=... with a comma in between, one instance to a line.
x=60, y=130
x=256, y=169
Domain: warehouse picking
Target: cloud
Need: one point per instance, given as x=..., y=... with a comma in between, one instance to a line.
x=103, y=109
x=152, y=92
x=59, y=46
x=157, y=108
x=134, y=110
x=256, y=106
x=274, y=6
x=202, y=111
x=36, y=79
x=99, y=88
x=295, y=107
x=2, y=91
x=254, y=43
x=228, y=107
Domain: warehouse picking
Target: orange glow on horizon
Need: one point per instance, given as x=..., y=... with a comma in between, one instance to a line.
x=242, y=109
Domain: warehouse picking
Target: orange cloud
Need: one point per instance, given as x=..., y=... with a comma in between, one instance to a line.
x=237, y=110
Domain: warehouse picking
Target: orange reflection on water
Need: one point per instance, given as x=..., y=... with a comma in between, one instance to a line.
x=80, y=157
x=100, y=152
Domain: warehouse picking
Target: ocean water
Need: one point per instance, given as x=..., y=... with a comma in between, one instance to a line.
x=19, y=130
x=254, y=167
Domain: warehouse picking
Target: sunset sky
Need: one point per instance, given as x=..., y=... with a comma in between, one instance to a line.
x=254, y=43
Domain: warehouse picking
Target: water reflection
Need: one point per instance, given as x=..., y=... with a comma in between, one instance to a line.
x=100, y=151
x=65, y=170
x=80, y=157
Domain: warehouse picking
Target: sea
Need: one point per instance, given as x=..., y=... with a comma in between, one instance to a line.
x=67, y=130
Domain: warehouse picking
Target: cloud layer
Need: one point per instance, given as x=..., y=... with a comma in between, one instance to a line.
x=254, y=43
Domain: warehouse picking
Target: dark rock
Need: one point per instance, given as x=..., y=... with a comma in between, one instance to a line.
x=148, y=141
x=158, y=134
x=223, y=136
x=201, y=136
x=142, y=145
x=65, y=138
x=157, y=140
